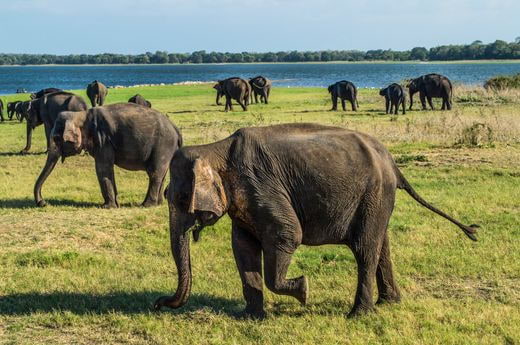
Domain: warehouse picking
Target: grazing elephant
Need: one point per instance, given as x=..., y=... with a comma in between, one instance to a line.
x=432, y=86
x=97, y=92
x=345, y=90
x=237, y=89
x=45, y=110
x=260, y=86
x=395, y=96
x=44, y=92
x=138, y=99
x=128, y=135
x=1, y=110
x=283, y=186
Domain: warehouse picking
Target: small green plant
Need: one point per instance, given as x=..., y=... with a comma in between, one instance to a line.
x=503, y=82
x=405, y=159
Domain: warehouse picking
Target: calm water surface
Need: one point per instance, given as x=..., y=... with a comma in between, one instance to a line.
x=34, y=78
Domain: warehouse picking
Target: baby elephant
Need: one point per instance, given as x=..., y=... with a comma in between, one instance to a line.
x=138, y=99
x=128, y=135
x=395, y=96
x=345, y=90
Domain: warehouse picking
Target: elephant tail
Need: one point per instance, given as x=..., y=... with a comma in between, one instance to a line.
x=402, y=183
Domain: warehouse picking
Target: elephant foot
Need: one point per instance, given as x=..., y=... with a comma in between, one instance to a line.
x=304, y=291
x=110, y=205
x=41, y=203
x=389, y=298
x=150, y=203
x=24, y=151
x=254, y=314
x=359, y=310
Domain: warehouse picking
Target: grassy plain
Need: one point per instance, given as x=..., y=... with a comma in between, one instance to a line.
x=74, y=273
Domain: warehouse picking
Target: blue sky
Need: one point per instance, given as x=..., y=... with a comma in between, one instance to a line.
x=137, y=26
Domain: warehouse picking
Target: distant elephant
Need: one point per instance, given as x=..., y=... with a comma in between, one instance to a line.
x=97, y=92
x=138, y=99
x=128, y=135
x=1, y=110
x=283, y=186
x=432, y=86
x=237, y=89
x=11, y=109
x=395, y=96
x=260, y=86
x=22, y=110
x=45, y=110
x=44, y=92
x=345, y=90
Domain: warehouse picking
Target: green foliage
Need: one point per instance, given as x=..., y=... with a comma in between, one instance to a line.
x=474, y=51
x=503, y=82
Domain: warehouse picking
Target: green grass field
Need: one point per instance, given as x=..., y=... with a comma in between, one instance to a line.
x=72, y=273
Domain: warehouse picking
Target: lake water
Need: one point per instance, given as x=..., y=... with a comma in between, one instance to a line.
x=34, y=78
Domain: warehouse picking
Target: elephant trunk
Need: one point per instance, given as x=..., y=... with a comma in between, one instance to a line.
x=180, y=246
x=53, y=156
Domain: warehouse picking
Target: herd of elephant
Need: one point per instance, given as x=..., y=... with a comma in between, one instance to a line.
x=282, y=186
x=428, y=86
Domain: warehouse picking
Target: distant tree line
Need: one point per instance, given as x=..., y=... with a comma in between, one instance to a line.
x=474, y=51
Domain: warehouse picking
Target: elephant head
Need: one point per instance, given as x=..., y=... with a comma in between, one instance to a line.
x=414, y=86
x=68, y=133
x=383, y=92
x=196, y=198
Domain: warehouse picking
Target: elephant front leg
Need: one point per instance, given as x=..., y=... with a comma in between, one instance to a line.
x=334, y=103
x=430, y=102
x=422, y=97
x=107, y=182
x=279, y=243
x=248, y=257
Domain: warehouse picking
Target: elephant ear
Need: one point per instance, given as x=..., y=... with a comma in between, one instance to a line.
x=72, y=133
x=100, y=132
x=208, y=193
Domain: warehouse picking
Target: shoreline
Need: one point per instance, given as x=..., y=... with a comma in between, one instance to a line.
x=381, y=62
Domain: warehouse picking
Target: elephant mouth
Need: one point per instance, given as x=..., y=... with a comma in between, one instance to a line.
x=69, y=149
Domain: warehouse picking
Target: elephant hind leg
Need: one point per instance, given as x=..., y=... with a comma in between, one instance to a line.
x=386, y=285
x=156, y=178
x=369, y=233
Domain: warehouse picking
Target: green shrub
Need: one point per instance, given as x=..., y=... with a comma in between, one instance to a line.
x=503, y=82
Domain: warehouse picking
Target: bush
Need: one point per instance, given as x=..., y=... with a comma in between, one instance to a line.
x=503, y=82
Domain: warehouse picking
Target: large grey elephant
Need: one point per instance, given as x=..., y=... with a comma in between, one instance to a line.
x=138, y=99
x=344, y=90
x=260, y=86
x=128, y=135
x=97, y=93
x=395, y=96
x=432, y=86
x=234, y=88
x=284, y=186
x=45, y=110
